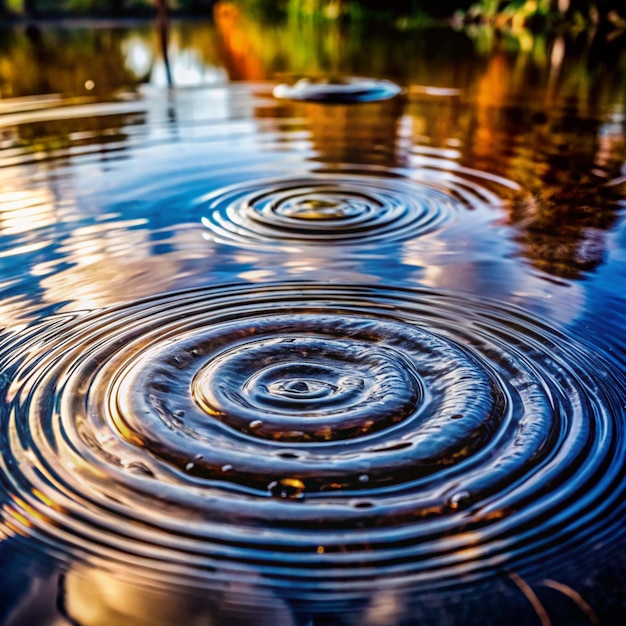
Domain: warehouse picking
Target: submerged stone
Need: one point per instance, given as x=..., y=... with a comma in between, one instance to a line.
x=345, y=90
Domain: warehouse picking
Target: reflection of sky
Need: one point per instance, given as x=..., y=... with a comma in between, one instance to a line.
x=187, y=69
x=186, y=65
x=98, y=231
x=139, y=57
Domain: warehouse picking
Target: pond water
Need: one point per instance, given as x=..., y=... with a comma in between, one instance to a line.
x=349, y=351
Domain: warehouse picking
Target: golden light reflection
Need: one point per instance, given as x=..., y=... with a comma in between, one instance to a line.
x=12, y=515
x=471, y=553
x=492, y=91
x=101, y=597
x=28, y=509
x=26, y=210
x=386, y=608
x=256, y=275
x=47, y=501
x=96, y=598
x=14, y=311
x=344, y=133
x=576, y=598
x=532, y=598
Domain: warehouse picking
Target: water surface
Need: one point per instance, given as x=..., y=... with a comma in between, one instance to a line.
x=349, y=358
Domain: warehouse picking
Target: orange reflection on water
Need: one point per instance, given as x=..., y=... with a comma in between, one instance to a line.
x=237, y=46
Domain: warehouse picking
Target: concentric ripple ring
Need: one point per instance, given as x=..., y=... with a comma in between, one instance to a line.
x=331, y=435
x=341, y=208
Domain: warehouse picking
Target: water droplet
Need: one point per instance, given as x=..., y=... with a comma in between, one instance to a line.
x=189, y=466
x=287, y=488
x=227, y=467
x=364, y=478
x=198, y=457
x=255, y=424
x=461, y=500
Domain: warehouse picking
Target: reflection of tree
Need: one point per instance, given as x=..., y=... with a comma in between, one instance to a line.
x=252, y=49
x=238, y=49
x=30, y=7
x=562, y=231
x=201, y=38
x=513, y=118
x=540, y=119
x=62, y=61
x=75, y=64
x=363, y=133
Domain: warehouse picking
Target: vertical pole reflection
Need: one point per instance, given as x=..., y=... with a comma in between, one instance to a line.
x=163, y=33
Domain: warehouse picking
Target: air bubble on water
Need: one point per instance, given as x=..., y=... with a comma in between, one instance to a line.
x=461, y=500
x=253, y=425
x=364, y=478
x=178, y=413
x=189, y=466
x=227, y=467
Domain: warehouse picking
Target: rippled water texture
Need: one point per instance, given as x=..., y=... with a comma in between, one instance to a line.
x=341, y=350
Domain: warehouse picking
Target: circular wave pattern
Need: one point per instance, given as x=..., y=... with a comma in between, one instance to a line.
x=344, y=209
x=321, y=437
x=345, y=90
